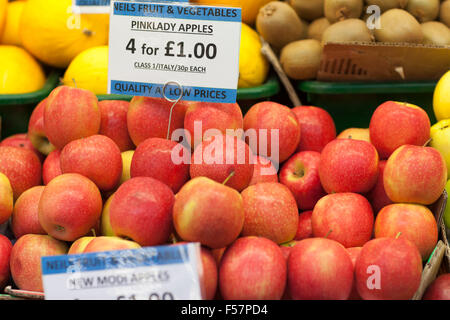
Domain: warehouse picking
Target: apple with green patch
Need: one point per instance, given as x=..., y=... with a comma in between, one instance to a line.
x=300, y=173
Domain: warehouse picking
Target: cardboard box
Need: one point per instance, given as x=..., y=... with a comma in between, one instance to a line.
x=383, y=62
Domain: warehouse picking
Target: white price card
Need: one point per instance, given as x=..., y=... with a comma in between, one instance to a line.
x=174, y=50
x=149, y=273
x=103, y=6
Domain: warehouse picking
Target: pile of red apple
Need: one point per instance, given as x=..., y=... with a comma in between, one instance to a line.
x=344, y=217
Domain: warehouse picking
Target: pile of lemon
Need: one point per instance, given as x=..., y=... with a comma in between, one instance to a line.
x=39, y=34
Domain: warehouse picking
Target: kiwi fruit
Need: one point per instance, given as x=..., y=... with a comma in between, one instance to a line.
x=317, y=27
x=305, y=29
x=386, y=5
x=308, y=10
x=347, y=31
x=424, y=10
x=444, y=15
x=278, y=23
x=337, y=10
x=436, y=33
x=300, y=59
x=398, y=25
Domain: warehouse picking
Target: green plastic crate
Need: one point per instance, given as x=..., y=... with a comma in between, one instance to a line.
x=16, y=109
x=352, y=104
x=246, y=97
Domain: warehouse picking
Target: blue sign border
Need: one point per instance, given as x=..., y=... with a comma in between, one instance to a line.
x=119, y=259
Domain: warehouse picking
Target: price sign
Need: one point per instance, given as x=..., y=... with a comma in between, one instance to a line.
x=150, y=273
x=184, y=50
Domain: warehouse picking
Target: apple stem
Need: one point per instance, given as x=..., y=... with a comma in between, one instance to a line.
x=328, y=233
x=228, y=178
x=93, y=232
x=398, y=235
x=426, y=143
x=74, y=82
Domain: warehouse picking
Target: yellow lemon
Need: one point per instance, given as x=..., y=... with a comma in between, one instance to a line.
x=19, y=71
x=253, y=65
x=440, y=140
x=11, y=28
x=441, y=100
x=250, y=8
x=3, y=8
x=89, y=70
x=52, y=33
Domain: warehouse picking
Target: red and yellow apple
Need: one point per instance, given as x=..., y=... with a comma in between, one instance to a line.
x=104, y=243
x=263, y=171
x=36, y=129
x=6, y=199
x=317, y=128
x=354, y=253
x=78, y=246
x=377, y=196
x=439, y=288
x=210, y=273
x=388, y=269
x=415, y=174
x=204, y=117
x=300, y=173
x=127, y=157
x=114, y=123
x=154, y=158
x=304, y=229
x=223, y=158
x=51, y=167
x=70, y=114
x=21, y=140
x=344, y=217
x=105, y=223
x=208, y=212
x=415, y=222
x=5, y=255
x=26, y=257
x=348, y=165
x=25, y=217
x=96, y=157
x=141, y=210
x=149, y=118
x=252, y=268
x=270, y=211
x=394, y=124
x=355, y=134
x=319, y=269
x=70, y=206
x=272, y=130
x=22, y=167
